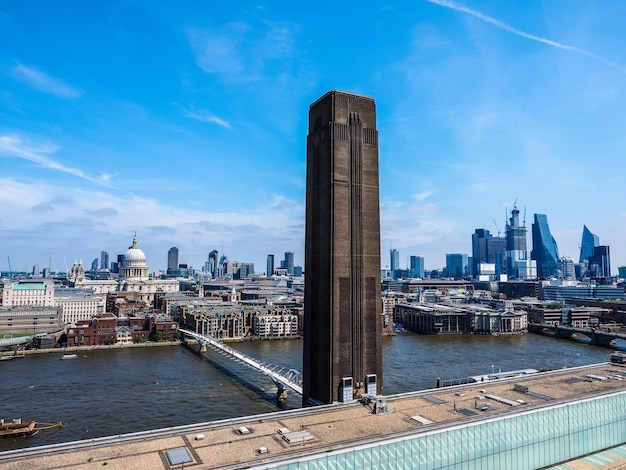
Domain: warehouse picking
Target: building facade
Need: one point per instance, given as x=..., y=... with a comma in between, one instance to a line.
x=104, y=260
x=587, y=244
x=394, y=262
x=416, y=267
x=342, y=249
x=270, y=266
x=568, y=268
x=172, y=258
x=28, y=293
x=30, y=319
x=78, y=304
x=516, y=253
x=280, y=323
x=545, y=251
x=600, y=262
x=457, y=265
x=214, y=264
x=288, y=263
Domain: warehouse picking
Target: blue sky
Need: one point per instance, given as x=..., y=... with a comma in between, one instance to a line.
x=186, y=122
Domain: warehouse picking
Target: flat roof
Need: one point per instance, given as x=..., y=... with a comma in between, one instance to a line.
x=287, y=434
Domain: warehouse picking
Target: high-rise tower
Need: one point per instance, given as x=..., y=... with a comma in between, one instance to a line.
x=457, y=265
x=342, y=327
x=516, y=254
x=600, y=262
x=544, y=251
x=416, y=268
x=270, y=266
x=588, y=243
x=213, y=264
x=172, y=258
x=480, y=246
x=104, y=260
x=394, y=262
x=289, y=262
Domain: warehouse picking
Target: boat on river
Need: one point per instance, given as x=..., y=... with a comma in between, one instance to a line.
x=69, y=356
x=500, y=375
x=17, y=428
x=618, y=357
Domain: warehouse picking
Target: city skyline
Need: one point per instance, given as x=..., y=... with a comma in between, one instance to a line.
x=187, y=124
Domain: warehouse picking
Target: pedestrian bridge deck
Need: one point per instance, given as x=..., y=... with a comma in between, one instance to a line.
x=324, y=429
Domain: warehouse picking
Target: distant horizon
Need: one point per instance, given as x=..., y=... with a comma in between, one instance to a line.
x=385, y=258
x=187, y=123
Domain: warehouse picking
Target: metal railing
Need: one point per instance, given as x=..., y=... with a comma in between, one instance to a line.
x=282, y=376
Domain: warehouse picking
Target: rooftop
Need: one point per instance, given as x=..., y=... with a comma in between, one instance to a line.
x=261, y=439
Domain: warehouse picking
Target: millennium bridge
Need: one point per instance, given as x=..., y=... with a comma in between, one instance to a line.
x=283, y=378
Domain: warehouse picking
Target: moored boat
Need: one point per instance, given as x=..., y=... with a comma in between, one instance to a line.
x=618, y=357
x=17, y=428
x=500, y=375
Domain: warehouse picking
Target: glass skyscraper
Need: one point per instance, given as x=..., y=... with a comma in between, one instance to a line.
x=172, y=258
x=104, y=260
x=288, y=263
x=480, y=244
x=600, y=262
x=270, y=266
x=457, y=265
x=544, y=252
x=516, y=254
x=588, y=243
x=488, y=249
x=416, y=268
x=394, y=259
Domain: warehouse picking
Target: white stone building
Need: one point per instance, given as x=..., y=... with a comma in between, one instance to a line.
x=275, y=325
x=28, y=293
x=78, y=304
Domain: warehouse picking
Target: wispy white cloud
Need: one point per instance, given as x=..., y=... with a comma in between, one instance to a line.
x=423, y=195
x=217, y=52
x=16, y=147
x=205, y=116
x=511, y=29
x=43, y=82
x=241, y=52
x=98, y=220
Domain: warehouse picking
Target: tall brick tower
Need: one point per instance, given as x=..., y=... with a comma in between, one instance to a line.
x=342, y=324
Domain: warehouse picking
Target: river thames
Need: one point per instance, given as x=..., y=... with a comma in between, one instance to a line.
x=118, y=391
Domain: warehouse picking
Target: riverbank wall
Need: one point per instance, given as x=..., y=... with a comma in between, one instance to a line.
x=149, y=344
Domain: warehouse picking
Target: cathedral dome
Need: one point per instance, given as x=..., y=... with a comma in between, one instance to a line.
x=134, y=253
x=134, y=264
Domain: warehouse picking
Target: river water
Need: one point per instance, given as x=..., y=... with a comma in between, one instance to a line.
x=110, y=392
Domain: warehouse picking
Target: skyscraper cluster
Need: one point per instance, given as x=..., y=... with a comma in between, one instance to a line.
x=507, y=257
x=594, y=258
x=545, y=261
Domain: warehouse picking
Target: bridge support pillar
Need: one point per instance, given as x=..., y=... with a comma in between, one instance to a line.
x=281, y=395
x=203, y=347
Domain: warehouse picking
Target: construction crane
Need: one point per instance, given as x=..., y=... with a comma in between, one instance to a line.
x=497, y=228
x=10, y=269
